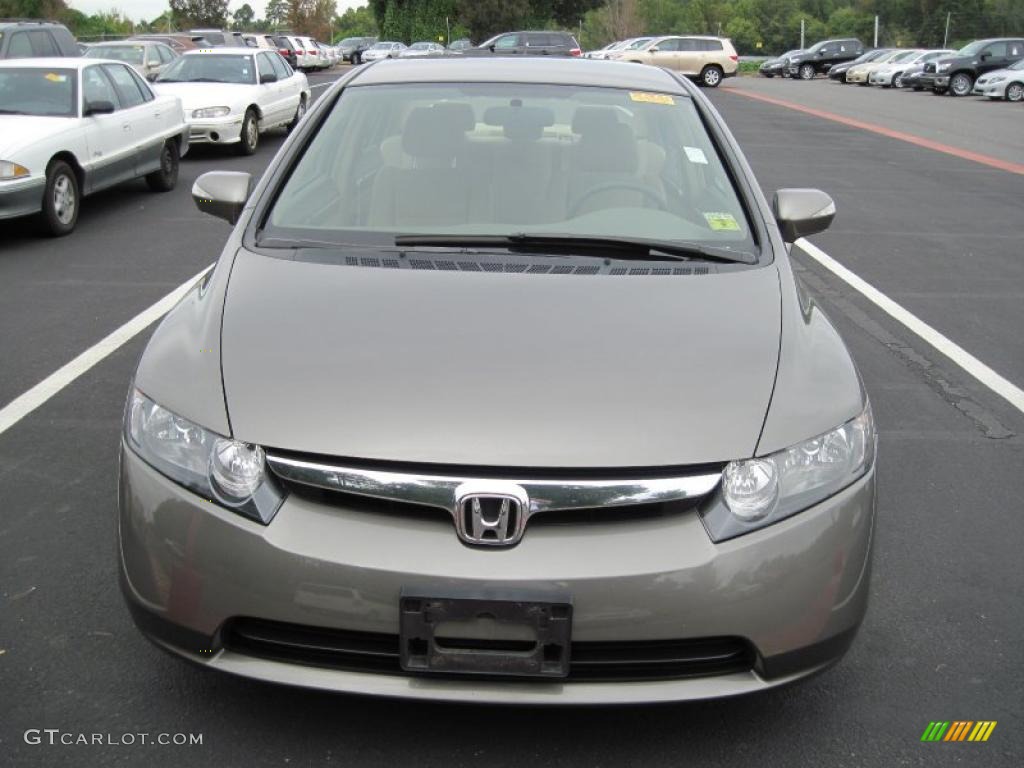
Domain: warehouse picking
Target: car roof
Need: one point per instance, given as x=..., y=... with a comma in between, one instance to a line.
x=689, y=37
x=228, y=49
x=592, y=72
x=127, y=42
x=52, y=62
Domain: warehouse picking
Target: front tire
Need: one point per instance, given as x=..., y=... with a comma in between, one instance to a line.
x=1015, y=92
x=961, y=84
x=807, y=72
x=250, y=134
x=165, y=179
x=300, y=112
x=897, y=80
x=711, y=76
x=60, y=200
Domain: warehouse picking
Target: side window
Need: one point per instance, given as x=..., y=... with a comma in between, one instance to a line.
x=152, y=57
x=1016, y=49
x=96, y=86
x=147, y=92
x=689, y=44
x=129, y=91
x=671, y=44
x=166, y=54
x=506, y=41
x=42, y=43
x=264, y=67
x=19, y=47
x=712, y=45
x=280, y=66
x=996, y=50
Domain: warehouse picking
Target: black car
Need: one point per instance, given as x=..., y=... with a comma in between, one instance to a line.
x=822, y=56
x=956, y=74
x=350, y=45
x=365, y=44
x=527, y=43
x=838, y=72
x=777, y=66
x=29, y=39
x=286, y=49
x=913, y=77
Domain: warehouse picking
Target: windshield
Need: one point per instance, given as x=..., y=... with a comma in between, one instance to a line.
x=420, y=46
x=130, y=54
x=214, y=38
x=382, y=46
x=210, y=68
x=38, y=91
x=640, y=42
x=503, y=159
x=971, y=48
x=904, y=56
x=350, y=41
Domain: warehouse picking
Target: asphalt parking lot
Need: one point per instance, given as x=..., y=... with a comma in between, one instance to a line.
x=943, y=640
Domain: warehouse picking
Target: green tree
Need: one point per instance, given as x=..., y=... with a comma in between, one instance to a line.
x=199, y=13
x=356, y=22
x=244, y=18
x=277, y=12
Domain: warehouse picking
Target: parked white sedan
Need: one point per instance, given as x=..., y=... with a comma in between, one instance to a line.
x=232, y=95
x=891, y=75
x=1002, y=83
x=72, y=126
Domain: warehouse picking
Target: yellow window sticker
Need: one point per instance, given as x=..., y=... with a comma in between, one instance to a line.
x=722, y=222
x=652, y=98
x=53, y=77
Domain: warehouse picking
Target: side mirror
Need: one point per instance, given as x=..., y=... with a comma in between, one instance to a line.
x=271, y=78
x=654, y=49
x=986, y=56
x=152, y=75
x=98, y=108
x=492, y=49
x=802, y=212
x=222, y=194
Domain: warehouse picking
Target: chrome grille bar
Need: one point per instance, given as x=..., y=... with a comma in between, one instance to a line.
x=544, y=495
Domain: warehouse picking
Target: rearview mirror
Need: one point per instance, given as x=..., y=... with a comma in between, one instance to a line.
x=222, y=194
x=98, y=108
x=802, y=212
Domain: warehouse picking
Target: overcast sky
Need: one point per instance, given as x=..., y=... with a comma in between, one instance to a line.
x=146, y=10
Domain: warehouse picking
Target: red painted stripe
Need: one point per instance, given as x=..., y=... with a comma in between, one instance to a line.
x=963, y=154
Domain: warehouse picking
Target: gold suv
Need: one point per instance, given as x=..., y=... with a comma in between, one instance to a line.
x=705, y=59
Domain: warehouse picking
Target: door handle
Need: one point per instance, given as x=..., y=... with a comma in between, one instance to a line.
x=126, y=127
x=156, y=115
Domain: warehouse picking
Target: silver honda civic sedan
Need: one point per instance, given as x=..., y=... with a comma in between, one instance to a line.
x=502, y=390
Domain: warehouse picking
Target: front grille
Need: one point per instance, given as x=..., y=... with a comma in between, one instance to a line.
x=591, y=661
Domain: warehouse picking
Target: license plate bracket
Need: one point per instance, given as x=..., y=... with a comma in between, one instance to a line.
x=526, y=635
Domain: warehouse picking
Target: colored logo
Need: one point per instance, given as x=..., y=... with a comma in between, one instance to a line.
x=959, y=730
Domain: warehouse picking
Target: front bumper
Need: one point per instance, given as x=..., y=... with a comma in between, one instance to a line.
x=880, y=79
x=853, y=76
x=991, y=90
x=21, y=197
x=217, y=130
x=795, y=592
x=934, y=81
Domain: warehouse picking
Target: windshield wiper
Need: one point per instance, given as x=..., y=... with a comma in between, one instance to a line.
x=610, y=247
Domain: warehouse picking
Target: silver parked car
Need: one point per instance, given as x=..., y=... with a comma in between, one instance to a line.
x=147, y=57
x=574, y=437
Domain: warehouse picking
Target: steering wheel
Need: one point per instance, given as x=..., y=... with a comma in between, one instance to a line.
x=632, y=186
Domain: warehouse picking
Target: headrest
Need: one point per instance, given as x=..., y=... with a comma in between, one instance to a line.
x=520, y=123
x=607, y=146
x=593, y=118
x=438, y=131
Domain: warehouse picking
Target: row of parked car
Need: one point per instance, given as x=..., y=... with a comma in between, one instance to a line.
x=72, y=125
x=992, y=67
x=707, y=60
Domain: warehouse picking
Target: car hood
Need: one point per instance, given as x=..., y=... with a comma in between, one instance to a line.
x=20, y=131
x=477, y=368
x=199, y=95
x=997, y=73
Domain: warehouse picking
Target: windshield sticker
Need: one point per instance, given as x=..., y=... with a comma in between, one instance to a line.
x=53, y=77
x=652, y=98
x=722, y=222
x=696, y=155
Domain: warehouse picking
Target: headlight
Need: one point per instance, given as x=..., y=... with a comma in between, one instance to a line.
x=9, y=170
x=225, y=471
x=759, y=492
x=211, y=112
x=996, y=79
x=942, y=67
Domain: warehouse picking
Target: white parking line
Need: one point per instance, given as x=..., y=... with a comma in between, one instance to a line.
x=27, y=402
x=956, y=353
